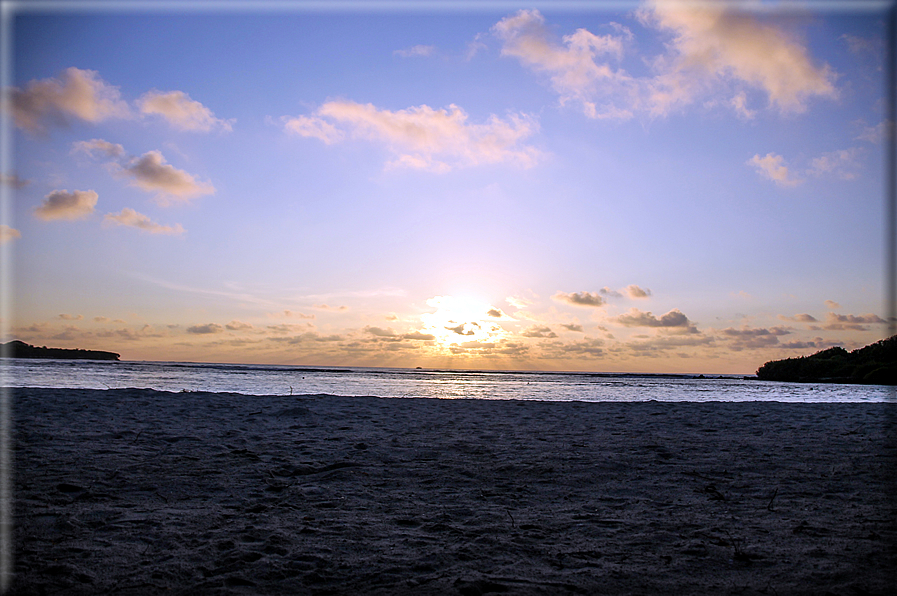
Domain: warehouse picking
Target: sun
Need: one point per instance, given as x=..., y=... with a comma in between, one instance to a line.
x=460, y=320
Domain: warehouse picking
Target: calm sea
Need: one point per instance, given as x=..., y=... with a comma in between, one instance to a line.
x=392, y=382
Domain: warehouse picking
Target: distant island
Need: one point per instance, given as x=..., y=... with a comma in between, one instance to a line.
x=876, y=364
x=19, y=349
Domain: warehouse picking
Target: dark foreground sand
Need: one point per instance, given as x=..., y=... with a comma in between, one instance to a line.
x=142, y=492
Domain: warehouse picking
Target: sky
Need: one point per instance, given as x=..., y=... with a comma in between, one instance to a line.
x=617, y=187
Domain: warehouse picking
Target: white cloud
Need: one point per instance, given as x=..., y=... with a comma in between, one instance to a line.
x=422, y=137
x=773, y=166
x=62, y=204
x=717, y=50
x=76, y=93
x=151, y=173
x=716, y=41
x=95, y=146
x=130, y=218
x=181, y=111
x=572, y=67
x=8, y=234
x=418, y=50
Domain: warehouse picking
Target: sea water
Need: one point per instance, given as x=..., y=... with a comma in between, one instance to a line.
x=251, y=379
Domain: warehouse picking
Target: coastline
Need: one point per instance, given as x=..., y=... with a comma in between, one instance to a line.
x=137, y=491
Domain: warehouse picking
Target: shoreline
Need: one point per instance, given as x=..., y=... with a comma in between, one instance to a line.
x=140, y=491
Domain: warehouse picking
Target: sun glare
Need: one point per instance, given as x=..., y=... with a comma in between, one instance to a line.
x=459, y=320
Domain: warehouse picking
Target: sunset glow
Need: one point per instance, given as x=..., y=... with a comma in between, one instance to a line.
x=653, y=187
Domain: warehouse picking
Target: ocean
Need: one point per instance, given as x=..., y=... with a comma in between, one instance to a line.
x=255, y=380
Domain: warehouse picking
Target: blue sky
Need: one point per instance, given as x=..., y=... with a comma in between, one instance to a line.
x=659, y=187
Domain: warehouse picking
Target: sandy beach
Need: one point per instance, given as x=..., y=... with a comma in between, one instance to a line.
x=140, y=492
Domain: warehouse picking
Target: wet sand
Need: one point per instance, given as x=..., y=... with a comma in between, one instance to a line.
x=142, y=492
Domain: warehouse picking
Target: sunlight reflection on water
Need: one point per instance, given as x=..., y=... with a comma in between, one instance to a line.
x=281, y=380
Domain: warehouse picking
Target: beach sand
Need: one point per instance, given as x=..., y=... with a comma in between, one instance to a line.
x=141, y=492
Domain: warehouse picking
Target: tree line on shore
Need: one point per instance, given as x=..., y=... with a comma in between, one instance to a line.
x=19, y=349
x=875, y=364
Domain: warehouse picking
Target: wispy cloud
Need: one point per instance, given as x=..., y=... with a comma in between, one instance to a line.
x=580, y=299
x=739, y=105
x=875, y=134
x=518, y=301
x=8, y=234
x=97, y=147
x=240, y=297
x=62, y=204
x=75, y=94
x=340, y=308
x=588, y=348
x=415, y=51
x=630, y=291
x=423, y=137
x=13, y=181
x=633, y=291
x=539, y=331
x=379, y=332
x=289, y=314
x=859, y=45
x=206, y=329
x=801, y=318
x=419, y=336
x=572, y=68
x=753, y=338
x=836, y=322
x=149, y=172
x=182, y=112
x=675, y=320
x=314, y=127
x=844, y=163
x=130, y=218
